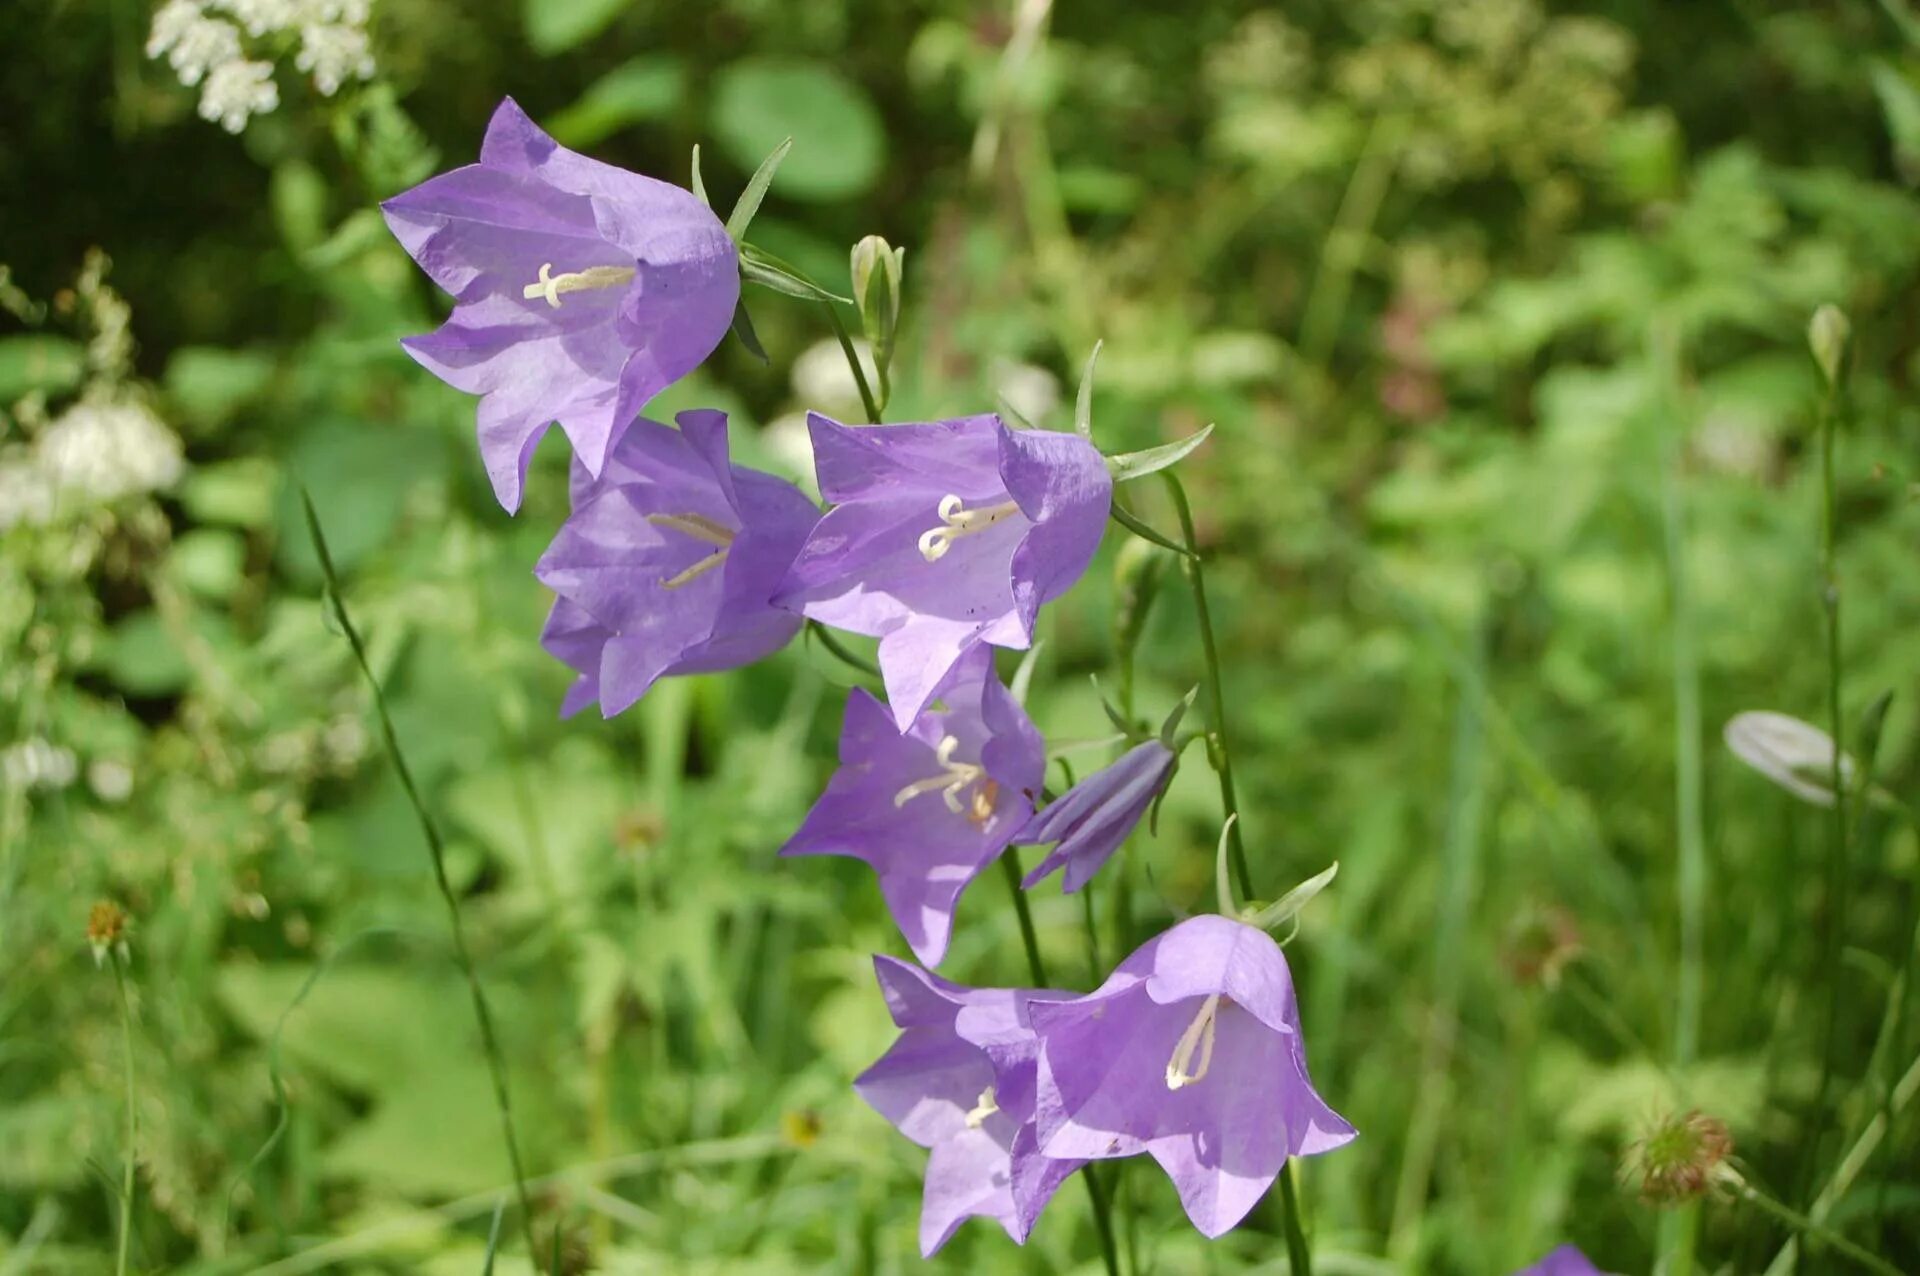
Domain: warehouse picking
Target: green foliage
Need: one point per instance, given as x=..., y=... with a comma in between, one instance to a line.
x=1499, y=312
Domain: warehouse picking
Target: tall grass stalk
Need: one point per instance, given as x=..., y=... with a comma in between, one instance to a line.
x=133, y=1117
x=1839, y=872
x=436, y=850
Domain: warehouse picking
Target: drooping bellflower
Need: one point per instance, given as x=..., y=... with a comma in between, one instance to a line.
x=932, y=806
x=1091, y=820
x=667, y=561
x=581, y=291
x=959, y=1081
x=1190, y=1052
x=945, y=536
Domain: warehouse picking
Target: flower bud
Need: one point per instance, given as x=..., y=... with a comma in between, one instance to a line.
x=1675, y=1161
x=1828, y=334
x=877, y=273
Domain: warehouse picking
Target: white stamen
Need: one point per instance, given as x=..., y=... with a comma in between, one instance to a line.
x=956, y=520
x=987, y=1106
x=552, y=286
x=953, y=780
x=700, y=528
x=1198, y=1038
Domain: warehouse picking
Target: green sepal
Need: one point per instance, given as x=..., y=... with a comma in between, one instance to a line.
x=1133, y=465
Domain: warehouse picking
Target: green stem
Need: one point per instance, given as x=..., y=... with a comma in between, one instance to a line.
x=853, y=362
x=831, y=641
x=436, y=850
x=1036, y=968
x=133, y=1119
x=1808, y=1228
x=1838, y=870
x=1217, y=751
x=1299, y=1258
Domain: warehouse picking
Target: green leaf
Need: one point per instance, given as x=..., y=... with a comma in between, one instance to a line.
x=769, y=271
x=645, y=88
x=749, y=203
x=37, y=361
x=1133, y=465
x=1900, y=103
x=209, y=385
x=557, y=25
x=1083, y=402
x=841, y=144
x=1288, y=906
x=743, y=329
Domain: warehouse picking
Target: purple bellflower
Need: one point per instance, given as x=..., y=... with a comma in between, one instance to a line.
x=1565, y=1261
x=1191, y=1053
x=1091, y=820
x=667, y=561
x=581, y=291
x=959, y=1081
x=929, y=807
x=945, y=535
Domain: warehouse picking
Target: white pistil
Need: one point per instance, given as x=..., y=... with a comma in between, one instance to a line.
x=953, y=780
x=552, y=286
x=987, y=1106
x=956, y=520
x=700, y=528
x=1197, y=1039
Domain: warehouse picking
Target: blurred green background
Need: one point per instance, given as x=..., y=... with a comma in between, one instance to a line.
x=1514, y=499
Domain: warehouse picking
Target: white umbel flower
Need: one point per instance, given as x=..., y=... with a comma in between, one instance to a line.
x=100, y=452
x=195, y=45
x=334, y=53
x=238, y=91
x=37, y=764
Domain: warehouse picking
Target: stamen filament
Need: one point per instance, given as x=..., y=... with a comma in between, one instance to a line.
x=953, y=779
x=1198, y=1038
x=700, y=528
x=552, y=286
x=956, y=521
x=987, y=1106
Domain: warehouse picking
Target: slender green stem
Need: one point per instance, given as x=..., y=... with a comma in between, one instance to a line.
x=436, y=850
x=840, y=651
x=1217, y=750
x=1807, y=1227
x=1036, y=968
x=853, y=362
x=1299, y=1258
x=133, y=1119
x=1838, y=870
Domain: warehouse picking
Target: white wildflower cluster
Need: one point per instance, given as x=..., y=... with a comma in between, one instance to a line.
x=202, y=41
x=95, y=452
x=38, y=764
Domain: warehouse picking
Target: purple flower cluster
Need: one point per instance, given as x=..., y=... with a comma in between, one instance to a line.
x=580, y=292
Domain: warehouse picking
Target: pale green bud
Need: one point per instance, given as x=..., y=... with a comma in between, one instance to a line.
x=878, y=270
x=1828, y=334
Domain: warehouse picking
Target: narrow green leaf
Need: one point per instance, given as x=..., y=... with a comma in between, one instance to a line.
x=493, y=1236
x=1288, y=906
x=743, y=329
x=1023, y=676
x=1145, y=532
x=1083, y=402
x=763, y=268
x=749, y=204
x=699, y=183
x=1133, y=465
x=1172, y=725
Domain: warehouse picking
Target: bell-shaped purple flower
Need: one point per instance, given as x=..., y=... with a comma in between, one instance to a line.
x=932, y=806
x=581, y=291
x=944, y=536
x=959, y=1081
x=1091, y=820
x=1565, y=1261
x=1191, y=1053
x=667, y=561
